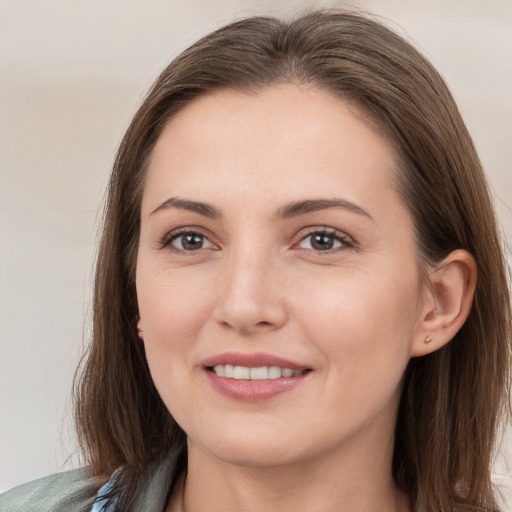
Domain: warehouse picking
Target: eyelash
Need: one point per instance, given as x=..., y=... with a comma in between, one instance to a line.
x=344, y=240
x=167, y=240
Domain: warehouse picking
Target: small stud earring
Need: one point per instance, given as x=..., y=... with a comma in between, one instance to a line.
x=428, y=339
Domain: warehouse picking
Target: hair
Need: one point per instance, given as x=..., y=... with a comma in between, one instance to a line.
x=452, y=399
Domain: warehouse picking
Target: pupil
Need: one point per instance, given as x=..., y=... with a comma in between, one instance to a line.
x=322, y=242
x=192, y=242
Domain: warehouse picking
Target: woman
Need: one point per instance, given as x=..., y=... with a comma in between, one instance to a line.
x=300, y=299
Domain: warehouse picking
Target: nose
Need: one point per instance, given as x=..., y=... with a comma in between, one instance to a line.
x=251, y=294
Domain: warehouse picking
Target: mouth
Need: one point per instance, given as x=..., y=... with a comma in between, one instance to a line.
x=255, y=373
x=254, y=377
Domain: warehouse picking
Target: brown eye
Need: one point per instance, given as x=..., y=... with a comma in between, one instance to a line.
x=190, y=242
x=322, y=241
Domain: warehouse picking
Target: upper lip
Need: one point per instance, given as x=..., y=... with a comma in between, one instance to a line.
x=251, y=360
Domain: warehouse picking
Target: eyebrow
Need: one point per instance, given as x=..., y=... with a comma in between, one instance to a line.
x=192, y=206
x=314, y=205
x=293, y=209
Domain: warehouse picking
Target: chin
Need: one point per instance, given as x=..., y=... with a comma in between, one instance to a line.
x=255, y=456
x=251, y=449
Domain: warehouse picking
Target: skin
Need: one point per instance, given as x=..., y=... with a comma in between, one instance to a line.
x=353, y=314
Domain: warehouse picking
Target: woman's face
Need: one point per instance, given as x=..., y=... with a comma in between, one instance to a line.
x=277, y=277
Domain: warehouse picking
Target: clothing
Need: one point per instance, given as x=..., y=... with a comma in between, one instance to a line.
x=77, y=491
x=100, y=505
x=73, y=490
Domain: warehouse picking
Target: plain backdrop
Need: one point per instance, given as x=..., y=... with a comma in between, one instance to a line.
x=71, y=77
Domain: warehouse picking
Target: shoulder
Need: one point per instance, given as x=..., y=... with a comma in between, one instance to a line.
x=71, y=490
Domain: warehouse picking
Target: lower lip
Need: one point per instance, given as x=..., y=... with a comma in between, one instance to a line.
x=253, y=390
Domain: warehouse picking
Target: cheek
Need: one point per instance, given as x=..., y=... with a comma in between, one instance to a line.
x=361, y=320
x=173, y=307
x=173, y=312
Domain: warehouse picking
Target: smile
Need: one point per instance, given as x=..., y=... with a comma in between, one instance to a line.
x=258, y=373
x=254, y=377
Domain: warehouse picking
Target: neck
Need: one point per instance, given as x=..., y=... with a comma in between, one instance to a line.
x=327, y=482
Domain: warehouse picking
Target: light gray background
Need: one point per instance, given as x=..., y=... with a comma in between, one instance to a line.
x=72, y=74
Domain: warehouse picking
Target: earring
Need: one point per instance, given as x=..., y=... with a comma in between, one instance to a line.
x=428, y=339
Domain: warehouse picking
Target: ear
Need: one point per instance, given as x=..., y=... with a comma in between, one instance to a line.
x=447, y=302
x=140, y=330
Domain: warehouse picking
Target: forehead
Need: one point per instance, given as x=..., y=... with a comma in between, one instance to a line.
x=283, y=141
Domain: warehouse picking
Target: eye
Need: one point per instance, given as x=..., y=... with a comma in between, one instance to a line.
x=188, y=241
x=324, y=241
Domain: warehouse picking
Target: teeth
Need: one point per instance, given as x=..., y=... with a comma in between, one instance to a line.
x=274, y=372
x=242, y=372
x=259, y=373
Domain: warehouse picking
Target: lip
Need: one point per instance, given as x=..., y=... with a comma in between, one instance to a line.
x=252, y=360
x=253, y=390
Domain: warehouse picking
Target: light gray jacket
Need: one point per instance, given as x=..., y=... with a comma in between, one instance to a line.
x=76, y=490
x=72, y=490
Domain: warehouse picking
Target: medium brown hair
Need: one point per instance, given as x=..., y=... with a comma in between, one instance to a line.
x=452, y=398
